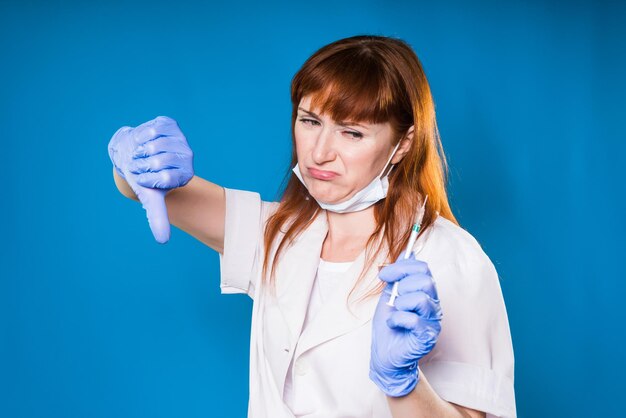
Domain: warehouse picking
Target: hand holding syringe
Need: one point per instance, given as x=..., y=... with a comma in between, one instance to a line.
x=405, y=328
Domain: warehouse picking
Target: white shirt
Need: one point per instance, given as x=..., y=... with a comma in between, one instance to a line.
x=328, y=275
x=471, y=365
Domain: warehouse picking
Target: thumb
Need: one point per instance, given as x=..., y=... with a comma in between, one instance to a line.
x=153, y=201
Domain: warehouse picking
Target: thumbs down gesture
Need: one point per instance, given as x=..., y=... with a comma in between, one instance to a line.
x=153, y=158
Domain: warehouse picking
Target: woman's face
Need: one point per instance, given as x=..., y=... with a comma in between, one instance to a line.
x=339, y=158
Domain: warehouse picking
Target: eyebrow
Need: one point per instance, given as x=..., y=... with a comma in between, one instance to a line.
x=341, y=122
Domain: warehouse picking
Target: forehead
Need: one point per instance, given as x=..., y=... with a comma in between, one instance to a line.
x=306, y=104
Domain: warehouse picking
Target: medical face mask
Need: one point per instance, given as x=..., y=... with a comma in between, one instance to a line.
x=364, y=198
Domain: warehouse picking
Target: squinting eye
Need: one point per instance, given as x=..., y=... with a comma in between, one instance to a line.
x=311, y=122
x=355, y=135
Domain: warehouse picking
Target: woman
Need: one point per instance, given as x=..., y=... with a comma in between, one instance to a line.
x=325, y=341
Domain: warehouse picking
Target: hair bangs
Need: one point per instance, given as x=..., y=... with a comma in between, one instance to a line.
x=349, y=89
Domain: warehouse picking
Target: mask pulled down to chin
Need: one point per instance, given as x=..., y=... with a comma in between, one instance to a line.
x=376, y=190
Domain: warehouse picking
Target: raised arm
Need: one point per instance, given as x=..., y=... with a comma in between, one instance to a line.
x=153, y=164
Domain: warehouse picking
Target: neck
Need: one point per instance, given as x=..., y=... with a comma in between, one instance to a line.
x=354, y=225
x=348, y=234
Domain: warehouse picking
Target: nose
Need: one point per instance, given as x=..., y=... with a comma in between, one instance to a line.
x=324, y=151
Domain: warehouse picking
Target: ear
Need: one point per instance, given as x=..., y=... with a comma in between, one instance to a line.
x=405, y=145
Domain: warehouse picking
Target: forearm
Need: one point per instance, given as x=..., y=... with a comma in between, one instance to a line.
x=424, y=402
x=198, y=208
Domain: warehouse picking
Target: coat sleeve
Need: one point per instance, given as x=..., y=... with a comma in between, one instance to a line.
x=241, y=262
x=472, y=363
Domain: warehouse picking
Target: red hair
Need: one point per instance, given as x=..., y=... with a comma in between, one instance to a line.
x=370, y=79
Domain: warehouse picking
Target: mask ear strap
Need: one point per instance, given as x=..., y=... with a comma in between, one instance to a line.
x=388, y=160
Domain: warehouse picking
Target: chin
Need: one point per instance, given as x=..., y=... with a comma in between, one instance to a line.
x=328, y=195
x=330, y=200
x=320, y=197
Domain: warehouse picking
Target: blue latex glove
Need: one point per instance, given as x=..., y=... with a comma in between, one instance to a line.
x=153, y=158
x=404, y=333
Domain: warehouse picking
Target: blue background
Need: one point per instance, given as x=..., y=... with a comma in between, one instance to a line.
x=98, y=320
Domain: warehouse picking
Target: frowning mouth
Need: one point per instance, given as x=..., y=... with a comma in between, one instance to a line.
x=322, y=175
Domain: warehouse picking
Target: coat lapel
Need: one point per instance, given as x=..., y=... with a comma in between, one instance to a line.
x=336, y=317
x=294, y=282
x=294, y=279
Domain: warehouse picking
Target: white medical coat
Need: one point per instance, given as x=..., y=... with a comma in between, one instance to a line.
x=471, y=364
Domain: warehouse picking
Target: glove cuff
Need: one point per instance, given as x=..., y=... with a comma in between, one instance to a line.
x=119, y=172
x=397, y=383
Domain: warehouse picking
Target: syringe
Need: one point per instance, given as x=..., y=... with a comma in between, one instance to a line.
x=419, y=217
